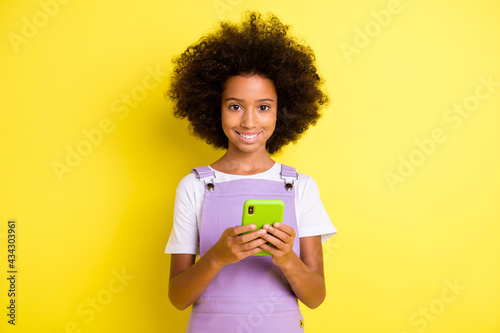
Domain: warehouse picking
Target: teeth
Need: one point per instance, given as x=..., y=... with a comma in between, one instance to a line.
x=249, y=136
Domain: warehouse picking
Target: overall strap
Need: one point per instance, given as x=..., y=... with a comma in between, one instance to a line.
x=289, y=174
x=206, y=175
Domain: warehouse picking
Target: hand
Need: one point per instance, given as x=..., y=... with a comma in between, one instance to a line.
x=282, y=237
x=232, y=246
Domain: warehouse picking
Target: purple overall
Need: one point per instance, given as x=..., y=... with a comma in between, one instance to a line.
x=251, y=295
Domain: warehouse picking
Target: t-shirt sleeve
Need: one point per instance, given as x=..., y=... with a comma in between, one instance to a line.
x=184, y=235
x=313, y=218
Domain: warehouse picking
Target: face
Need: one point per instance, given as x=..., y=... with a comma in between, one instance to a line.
x=248, y=112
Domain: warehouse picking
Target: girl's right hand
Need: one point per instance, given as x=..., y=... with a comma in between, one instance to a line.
x=232, y=246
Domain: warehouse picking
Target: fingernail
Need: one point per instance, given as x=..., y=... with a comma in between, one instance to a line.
x=277, y=224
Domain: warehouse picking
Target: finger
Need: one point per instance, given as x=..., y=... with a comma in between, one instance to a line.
x=283, y=236
x=234, y=231
x=274, y=240
x=250, y=236
x=285, y=228
x=271, y=249
x=252, y=251
x=252, y=244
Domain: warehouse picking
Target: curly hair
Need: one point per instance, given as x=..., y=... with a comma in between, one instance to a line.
x=257, y=46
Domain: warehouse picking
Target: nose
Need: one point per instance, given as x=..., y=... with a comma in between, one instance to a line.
x=248, y=119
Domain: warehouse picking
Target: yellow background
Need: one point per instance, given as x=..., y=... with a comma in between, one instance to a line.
x=400, y=245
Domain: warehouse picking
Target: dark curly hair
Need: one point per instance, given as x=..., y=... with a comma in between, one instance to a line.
x=257, y=46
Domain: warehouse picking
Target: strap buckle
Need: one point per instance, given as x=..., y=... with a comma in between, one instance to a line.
x=289, y=179
x=206, y=174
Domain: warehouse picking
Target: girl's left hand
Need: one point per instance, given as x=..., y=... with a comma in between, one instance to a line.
x=282, y=237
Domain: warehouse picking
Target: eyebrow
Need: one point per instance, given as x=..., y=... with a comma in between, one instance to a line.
x=240, y=100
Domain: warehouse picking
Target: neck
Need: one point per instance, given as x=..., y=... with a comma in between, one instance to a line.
x=240, y=163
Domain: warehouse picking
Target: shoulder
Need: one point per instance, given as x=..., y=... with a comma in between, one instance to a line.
x=305, y=178
x=191, y=183
x=306, y=186
x=188, y=185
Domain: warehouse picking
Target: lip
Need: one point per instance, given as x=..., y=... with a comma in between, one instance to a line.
x=249, y=137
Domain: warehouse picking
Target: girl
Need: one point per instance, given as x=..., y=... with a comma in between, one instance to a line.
x=250, y=89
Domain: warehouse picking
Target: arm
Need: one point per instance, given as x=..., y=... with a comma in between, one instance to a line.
x=189, y=279
x=305, y=274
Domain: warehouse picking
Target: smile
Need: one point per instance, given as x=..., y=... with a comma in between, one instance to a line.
x=248, y=136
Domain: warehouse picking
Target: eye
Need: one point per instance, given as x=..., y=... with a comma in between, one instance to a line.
x=235, y=107
x=264, y=107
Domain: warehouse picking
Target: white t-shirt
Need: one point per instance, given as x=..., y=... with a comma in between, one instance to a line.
x=312, y=219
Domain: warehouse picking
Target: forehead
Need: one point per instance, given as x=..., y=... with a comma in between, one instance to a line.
x=249, y=87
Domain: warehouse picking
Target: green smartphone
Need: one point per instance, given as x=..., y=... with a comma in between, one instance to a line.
x=260, y=212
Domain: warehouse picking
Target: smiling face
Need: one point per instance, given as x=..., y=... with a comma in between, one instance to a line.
x=248, y=112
